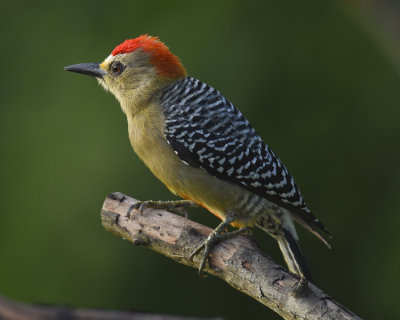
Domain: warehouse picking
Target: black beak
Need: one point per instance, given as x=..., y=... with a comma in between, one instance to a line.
x=90, y=69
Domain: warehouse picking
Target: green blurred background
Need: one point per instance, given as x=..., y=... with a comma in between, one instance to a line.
x=312, y=78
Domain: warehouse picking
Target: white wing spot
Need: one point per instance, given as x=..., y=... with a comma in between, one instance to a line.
x=255, y=184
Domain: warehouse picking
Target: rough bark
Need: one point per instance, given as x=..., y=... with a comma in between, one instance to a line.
x=238, y=261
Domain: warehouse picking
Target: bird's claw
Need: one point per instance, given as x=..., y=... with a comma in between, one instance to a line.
x=207, y=248
x=141, y=206
x=300, y=287
x=209, y=243
x=136, y=206
x=196, y=252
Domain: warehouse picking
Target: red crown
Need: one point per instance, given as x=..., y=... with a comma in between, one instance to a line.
x=167, y=64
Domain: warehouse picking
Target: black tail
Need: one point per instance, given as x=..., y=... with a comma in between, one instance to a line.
x=293, y=255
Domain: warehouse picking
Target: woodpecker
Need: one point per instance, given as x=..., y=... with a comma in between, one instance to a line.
x=203, y=149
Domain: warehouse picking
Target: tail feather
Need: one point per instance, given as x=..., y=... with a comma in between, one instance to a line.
x=293, y=255
x=310, y=227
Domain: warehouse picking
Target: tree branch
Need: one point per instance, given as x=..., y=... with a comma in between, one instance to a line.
x=12, y=310
x=237, y=261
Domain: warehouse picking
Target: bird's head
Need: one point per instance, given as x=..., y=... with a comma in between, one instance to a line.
x=134, y=69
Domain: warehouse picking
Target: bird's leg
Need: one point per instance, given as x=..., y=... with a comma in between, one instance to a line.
x=176, y=206
x=215, y=236
x=300, y=287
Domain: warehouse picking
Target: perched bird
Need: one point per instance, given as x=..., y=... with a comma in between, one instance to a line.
x=202, y=148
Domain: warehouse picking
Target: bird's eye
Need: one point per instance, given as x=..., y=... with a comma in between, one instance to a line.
x=117, y=68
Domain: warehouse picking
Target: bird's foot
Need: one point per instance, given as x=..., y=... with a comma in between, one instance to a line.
x=215, y=236
x=300, y=288
x=172, y=206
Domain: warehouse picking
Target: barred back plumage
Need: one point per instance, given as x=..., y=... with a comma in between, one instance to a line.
x=206, y=130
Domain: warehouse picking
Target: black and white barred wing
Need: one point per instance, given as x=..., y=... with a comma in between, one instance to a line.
x=207, y=131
